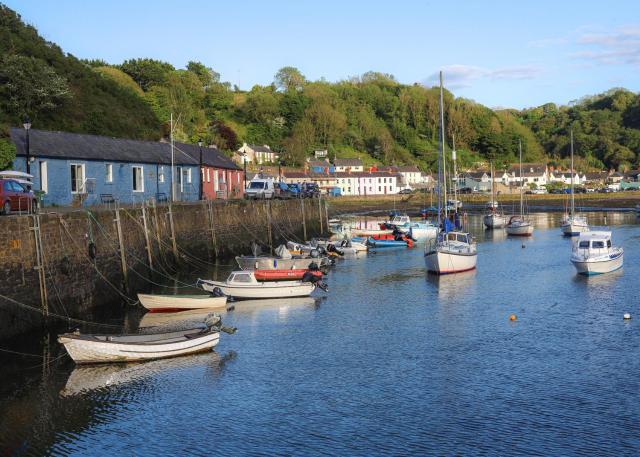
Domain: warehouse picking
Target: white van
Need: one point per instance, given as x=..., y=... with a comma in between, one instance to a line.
x=260, y=188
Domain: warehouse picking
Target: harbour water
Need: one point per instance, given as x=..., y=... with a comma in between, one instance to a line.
x=390, y=361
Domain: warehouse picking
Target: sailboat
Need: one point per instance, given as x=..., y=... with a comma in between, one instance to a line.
x=454, y=250
x=573, y=224
x=520, y=225
x=494, y=218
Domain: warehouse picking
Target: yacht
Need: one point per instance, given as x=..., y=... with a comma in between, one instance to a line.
x=520, y=225
x=593, y=254
x=573, y=224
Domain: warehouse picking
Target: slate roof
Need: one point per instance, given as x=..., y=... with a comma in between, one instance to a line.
x=211, y=157
x=260, y=148
x=80, y=146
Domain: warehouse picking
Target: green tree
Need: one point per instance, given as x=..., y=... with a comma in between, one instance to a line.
x=147, y=72
x=7, y=153
x=289, y=78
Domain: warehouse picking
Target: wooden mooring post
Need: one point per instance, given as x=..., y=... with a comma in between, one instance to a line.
x=146, y=236
x=123, y=260
x=320, y=213
x=174, y=245
x=37, y=235
x=212, y=226
x=304, y=221
x=269, y=230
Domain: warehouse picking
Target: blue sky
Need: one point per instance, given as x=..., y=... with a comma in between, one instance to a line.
x=499, y=53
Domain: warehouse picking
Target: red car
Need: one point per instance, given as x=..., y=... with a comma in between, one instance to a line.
x=15, y=197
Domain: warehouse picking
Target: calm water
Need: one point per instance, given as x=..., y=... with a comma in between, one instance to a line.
x=391, y=362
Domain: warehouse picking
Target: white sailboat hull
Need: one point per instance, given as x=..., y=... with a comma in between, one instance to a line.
x=573, y=227
x=444, y=262
x=271, y=289
x=525, y=229
x=494, y=221
x=598, y=265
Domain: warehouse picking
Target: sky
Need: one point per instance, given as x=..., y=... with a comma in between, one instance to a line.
x=514, y=54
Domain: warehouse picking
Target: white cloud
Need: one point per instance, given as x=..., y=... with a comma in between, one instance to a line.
x=618, y=47
x=460, y=76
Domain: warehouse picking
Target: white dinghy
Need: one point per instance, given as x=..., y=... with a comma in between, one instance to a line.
x=170, y=303
x=593, y=254
x=138, y=348
x=244, y=285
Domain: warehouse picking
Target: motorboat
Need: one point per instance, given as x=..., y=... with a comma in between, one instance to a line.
x=520, y=225
x=420, y=231
x=92, y=348
x=346, y=245
x=283, y=260
x=573, y=224
x=452, y=252
x=593, y=253
x=244, y=285
x=172, y=303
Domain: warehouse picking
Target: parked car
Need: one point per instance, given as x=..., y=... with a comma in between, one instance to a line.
x=310, y=190
x=557, y=191
x=465, y=190
x=260, y=189
x=405, y=191
x=15, y=197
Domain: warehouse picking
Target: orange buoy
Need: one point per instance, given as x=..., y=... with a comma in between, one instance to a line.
x=512, y=317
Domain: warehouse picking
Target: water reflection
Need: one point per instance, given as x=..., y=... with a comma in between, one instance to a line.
x=282, y=305
x=454, y=285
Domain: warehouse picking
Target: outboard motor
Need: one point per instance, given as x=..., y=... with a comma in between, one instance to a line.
x=397, y=234
x=331, y=248
x=217, y=292
x=314, y=279
x=315, y=253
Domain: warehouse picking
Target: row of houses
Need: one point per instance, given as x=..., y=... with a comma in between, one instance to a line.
x=76, y=169
x=538, y=175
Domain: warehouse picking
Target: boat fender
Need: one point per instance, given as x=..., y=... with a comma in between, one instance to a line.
x=92, y=250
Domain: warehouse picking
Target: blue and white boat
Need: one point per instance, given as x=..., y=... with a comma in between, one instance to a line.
x=593, y=254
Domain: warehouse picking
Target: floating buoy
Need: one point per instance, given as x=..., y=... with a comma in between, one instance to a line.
x=626, y=316
x=523, y=246
x=512, y=317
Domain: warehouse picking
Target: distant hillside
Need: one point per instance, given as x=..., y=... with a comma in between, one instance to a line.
x=372, y=116
x=60, y=92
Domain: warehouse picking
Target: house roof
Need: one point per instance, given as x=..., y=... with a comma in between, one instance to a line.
x=64, y=145
x=475, y=174
x=408, y=169
x=260, y=147
x=211, y=156
x=536, y=168
x=318, y=163
x=597, y=175
x=347, y=162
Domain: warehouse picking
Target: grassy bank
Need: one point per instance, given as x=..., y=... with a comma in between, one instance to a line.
x=414, y=202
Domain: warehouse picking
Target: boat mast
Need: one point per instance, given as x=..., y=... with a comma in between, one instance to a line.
x=493, y=192
x=572, y=199
x=442, y=151
x=520, y=149
x=173, y=185
x=455, y=175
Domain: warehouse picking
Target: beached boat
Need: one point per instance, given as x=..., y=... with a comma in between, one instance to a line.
x=573, y=224
x=171, y=303
x=243, y=285
x=520, y=225
x=91, y=348
x=593, y=254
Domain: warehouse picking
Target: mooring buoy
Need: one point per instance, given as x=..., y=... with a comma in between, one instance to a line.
x=626, y=316
x=512, y=317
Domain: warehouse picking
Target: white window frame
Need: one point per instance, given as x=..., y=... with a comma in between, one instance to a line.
x=188, y=175
x=108, y=173
x=79, y=190
x=133, y=182
x=216, y=186
x=161, y=174
x=208, y=174
x=44, y=176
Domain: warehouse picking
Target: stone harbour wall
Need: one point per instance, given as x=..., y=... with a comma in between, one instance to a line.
x=79, y=267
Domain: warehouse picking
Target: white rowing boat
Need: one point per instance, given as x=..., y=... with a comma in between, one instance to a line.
x=138, y=348
x=243, y=285
x=169, y=303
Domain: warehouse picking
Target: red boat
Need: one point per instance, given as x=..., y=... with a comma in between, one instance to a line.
x=283, y=275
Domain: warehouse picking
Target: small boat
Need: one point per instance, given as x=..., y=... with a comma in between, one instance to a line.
x=243, y=285
x=283, y=275
x=91, y=348
x=370, y=232
x=389, y=241
x=282, y=261
x=346, y=246
x=494, y=218
x=453, y=252
x=520, y=225
x=593, y=254
x=174, y=321
x=172, y=303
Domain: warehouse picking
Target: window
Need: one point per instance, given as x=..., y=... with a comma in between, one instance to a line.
x=584, y=244
x=180, y=180
x=108, y=173
x=379, y=188
x=216, y=187
x=208, y=174
x=44, y=177
x=203, y=175
x=242, y=278
x=597, y=244
x=161, y=174
x=608, y=243
x=77, y=178
x=187, y=175
x=138, y=179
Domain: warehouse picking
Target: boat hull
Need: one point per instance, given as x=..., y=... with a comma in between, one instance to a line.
x=492, y=221
x=84, y=351
x=520, y=230
x=283, y=275
x=598, y=266
x=276, y=289
x=172, y=303
x=442, y=263
x=574, y=227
